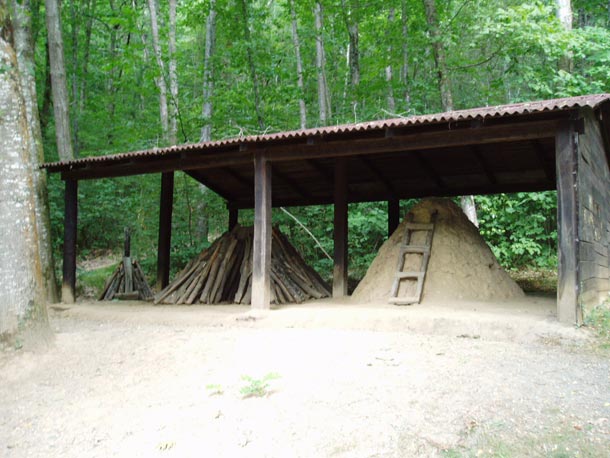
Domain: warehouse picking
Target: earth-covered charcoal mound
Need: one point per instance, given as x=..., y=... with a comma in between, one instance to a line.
x=461, y=265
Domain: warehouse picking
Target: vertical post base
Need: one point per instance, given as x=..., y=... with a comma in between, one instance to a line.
x=261, y=246
x=340, y=229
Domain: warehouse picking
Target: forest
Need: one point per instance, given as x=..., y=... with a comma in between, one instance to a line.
x=142, y=74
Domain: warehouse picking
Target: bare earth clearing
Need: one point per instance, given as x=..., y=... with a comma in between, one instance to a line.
x=133, y=380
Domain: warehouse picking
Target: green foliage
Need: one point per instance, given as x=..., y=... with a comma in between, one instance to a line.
x=520, y=228
x=257, y=387
x=92, y=282
x=599, y=320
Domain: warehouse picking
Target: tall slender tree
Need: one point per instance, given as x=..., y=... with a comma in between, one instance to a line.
x=160, y=78
x=323, y=92
x=297, y=51
x=61, y=104
x=468, y=205
x=252, y=65
x=208, y=73
x=173, y=76
x=565, y=16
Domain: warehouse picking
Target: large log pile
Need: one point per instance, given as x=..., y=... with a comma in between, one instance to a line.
x=223, y=273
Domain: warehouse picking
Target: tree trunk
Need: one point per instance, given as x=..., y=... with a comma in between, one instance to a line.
x=160, y=79
x=21, y=281
x=439, y=55
x=61, y=107
x=86, y=53
x=404, y=70
x=323, y=95
x=251, y=65
x=25, y=60
x=351, y=23
x=565, y=16
x=173, y=76
x=74, y=26
x=468, y=205
x=297, y=52
x=389, y=73
x=208, y=73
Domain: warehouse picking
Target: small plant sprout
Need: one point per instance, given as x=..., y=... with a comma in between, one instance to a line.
x=214, y=389
x=257, y=387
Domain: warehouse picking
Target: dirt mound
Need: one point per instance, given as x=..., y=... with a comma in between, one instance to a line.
x=461, y=264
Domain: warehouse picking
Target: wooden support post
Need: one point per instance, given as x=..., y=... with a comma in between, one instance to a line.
x=261, y=247
x=393, y=215
x=340, y=229
x=165, y=228
x=68, y=288
x=566, y=160
x=233, y=217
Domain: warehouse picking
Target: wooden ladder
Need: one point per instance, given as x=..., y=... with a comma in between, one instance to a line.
x=408, y=248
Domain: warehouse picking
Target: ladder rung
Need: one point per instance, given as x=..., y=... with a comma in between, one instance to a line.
x=420, y=226
x=403, y=275
x=403, y=300
x=415, y=249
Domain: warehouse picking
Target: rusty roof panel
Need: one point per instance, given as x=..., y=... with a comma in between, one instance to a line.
x=516, y=109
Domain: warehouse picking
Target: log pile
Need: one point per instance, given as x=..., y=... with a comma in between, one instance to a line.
x=127, y=281
x=223, y=273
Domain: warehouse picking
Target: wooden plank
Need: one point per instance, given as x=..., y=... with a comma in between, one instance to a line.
x=393, y=215
x=261, y=247
x=566, y=152
x=165, y=228
x=340, y=229
x=233, y=217
x=68, y=288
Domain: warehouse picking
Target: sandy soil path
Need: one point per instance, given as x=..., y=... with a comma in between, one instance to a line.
x=139, y=381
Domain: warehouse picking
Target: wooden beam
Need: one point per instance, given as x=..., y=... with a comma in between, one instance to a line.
x=233, y=217
x=68, y=288
x=340, y=229
x=295, y=187
x=369, y=164
x=165, y=228
x=393, y=215
x=429, y=170
x=196, y=175
x=261, y=255
x=566, y=154
x=409, y=194
x=476, y=151
x=549, y=172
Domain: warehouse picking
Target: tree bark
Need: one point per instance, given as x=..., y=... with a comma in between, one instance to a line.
x=252, y=65
x=565, y=16
x=86, y=53
x=389, y=71
x=25, y=60
x=61, y=107
x=160, y=79
x=323, y=95
x=404, y=70
x=173, y=76
x=21, y=281
x=439, y=55
x=297, y=51
x=208, y=73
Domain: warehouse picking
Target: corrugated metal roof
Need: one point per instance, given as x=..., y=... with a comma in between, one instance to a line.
x=516, y=109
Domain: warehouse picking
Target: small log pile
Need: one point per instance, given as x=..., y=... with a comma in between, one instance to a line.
x=223, y=273
x=127, y=281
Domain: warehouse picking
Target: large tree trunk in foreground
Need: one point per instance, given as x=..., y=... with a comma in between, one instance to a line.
x=21, y=282
x=61, y=105
x=25, y=58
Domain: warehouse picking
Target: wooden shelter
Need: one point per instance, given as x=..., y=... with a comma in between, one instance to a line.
x=561, y=144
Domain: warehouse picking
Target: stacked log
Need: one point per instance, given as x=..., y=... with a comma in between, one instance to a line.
x=223, y=273
x=127, y=282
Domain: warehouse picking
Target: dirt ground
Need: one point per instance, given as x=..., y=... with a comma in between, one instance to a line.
x=351, y=380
